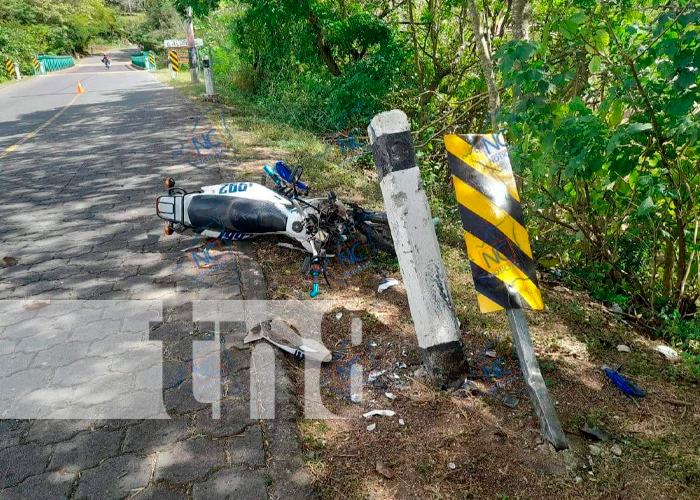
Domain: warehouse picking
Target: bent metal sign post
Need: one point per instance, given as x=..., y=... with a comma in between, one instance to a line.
x=500, y=256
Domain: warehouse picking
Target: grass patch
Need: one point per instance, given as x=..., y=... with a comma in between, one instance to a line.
x=312, y=433
x=572, y=335
x=182, y=83
x=663, y=454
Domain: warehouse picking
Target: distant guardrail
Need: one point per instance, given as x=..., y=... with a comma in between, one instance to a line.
x=145, y=60
x=55, y=63
x=139, y=60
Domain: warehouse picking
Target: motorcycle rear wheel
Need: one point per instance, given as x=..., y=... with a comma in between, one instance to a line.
x=380, y=233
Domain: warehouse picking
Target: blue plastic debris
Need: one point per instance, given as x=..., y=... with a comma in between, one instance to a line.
x=622, y=383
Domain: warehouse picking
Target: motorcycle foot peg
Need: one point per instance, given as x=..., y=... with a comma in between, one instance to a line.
x=169, y=183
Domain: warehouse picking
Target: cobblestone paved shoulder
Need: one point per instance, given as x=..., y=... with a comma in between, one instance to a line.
x=94, y=237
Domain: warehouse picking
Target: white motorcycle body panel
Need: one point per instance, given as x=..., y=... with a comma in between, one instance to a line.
x=253, y=191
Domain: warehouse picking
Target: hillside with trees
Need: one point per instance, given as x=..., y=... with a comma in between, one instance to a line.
x=32, y=27
x=599, y=102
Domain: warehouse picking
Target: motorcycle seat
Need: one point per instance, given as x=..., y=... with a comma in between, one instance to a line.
x=232, y=214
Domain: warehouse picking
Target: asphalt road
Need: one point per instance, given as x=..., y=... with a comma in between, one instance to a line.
x=92, y=404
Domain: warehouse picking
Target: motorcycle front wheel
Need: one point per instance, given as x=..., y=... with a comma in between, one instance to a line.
x=377, y=227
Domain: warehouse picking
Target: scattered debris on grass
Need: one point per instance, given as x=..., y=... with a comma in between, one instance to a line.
x=595, y=450
x=472, y=426
x=594, y=432
x=387, y=283
x=380, y=413
x=616, y=309
x=668, y=352
x=627, y=387
x=281, y=335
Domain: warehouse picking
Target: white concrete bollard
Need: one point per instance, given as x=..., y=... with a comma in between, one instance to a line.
x=208, y=75
x=417, y=249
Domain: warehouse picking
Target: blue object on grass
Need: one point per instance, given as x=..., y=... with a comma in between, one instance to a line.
x=284, y=172
x=622, y=383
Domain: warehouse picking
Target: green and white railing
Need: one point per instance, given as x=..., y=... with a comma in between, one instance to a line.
x=55, y=63
x=139, y=60
x=145, y=60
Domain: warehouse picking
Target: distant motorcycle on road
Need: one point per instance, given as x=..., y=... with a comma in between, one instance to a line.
x=107, y=61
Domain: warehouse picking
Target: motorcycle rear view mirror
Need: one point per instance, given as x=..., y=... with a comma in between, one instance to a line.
x=283, y=171
x=291, y=177
x=296, y=174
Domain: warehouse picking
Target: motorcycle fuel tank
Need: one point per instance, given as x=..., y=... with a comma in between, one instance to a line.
x=249, y=190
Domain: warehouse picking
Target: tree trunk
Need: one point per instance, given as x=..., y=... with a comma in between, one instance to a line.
x=256, y=59
x=323, y=48
x=440, y=74
x=521, y=32
x=682, y=254
x=482, y=48
x=414, y=36
x=521, y=20
x=668, y=270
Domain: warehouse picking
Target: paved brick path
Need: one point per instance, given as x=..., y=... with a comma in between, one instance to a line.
x=78, y=215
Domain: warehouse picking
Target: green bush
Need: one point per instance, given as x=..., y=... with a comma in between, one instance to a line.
x=161, y=22
x=31, y=27
x=278, y=65
x=683, y=334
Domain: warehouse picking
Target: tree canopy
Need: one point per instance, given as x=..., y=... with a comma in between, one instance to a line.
x=28, y=27
x=599, y=102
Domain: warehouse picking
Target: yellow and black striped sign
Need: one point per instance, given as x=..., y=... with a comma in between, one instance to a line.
x=35, y=63
x=174, y=63
x=492, y=217
x=10, y=67
x=152, y=57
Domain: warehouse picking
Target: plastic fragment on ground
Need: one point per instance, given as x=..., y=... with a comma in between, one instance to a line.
x=381, y=413
x=622, y=383
x=668, y=352
x=387, y=283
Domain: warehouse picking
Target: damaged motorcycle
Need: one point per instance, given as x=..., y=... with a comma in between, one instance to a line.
x=243, y=210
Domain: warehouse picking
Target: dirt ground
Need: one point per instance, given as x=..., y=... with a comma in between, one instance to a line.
x=481, y=442
x=485, y=442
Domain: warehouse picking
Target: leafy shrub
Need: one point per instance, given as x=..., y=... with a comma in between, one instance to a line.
x=161, y=22
x=31, y=27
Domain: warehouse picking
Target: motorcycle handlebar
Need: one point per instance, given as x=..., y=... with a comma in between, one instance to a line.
x=268, y=170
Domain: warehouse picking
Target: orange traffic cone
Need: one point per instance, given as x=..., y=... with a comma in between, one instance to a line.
x=80, y=88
